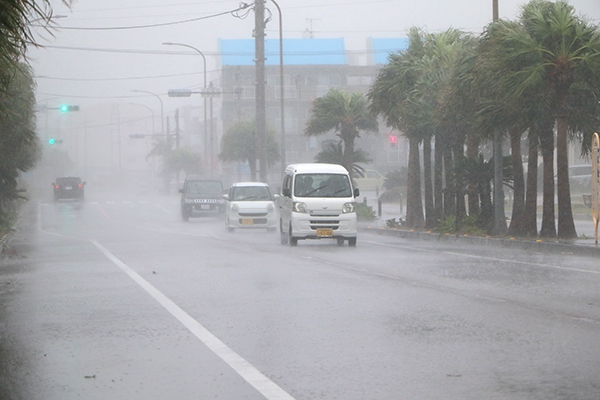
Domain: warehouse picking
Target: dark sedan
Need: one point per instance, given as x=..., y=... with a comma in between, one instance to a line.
x=69, y=187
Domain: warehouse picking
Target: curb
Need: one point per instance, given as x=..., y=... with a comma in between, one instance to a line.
x=555, y=247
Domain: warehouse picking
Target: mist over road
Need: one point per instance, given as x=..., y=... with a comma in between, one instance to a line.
x=117, y=297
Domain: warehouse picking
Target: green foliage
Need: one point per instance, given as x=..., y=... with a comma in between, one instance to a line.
x=470, y=225
x=333, y=153
x=395, y=179
x=239, y=145
x=7, y=222
x=19, y=145
x=393, y=195
x=185, y=159
x=346, y=114
x=365, y=212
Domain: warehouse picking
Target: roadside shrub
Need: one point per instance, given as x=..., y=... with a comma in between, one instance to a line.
x=365, y=212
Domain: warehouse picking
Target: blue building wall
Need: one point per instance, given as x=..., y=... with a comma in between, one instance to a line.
x=239, y=52
x=380, y=49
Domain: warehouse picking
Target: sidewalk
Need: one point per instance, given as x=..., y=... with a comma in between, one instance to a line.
x=584, y=245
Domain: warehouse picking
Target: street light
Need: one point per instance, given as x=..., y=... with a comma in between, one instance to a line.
x=205, y=113
x=162, y=125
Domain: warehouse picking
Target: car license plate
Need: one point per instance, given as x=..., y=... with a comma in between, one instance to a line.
x=324, y=232
x=205, y=206
x=68, y=187
x=247, y=221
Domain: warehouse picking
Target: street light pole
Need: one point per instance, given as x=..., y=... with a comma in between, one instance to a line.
x=205, y=123
x=259, y=41
x=281, y=90
x=162, y=118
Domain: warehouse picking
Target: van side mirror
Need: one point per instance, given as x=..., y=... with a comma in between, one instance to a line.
x=275, y=196
x=356, y=192
x=286, y=192
x=226, y=196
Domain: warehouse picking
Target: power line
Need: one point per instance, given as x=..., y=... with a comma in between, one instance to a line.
x=242, y=6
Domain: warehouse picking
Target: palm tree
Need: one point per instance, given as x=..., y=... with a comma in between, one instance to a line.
x=345, y=113
x=333, y=153
x=239, y=145
x=390, y=96
x=550, y=50
x=15, y=32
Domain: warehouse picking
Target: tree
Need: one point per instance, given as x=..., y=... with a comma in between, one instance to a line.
x=19, y=145
x=345, y=113
x=239, y=145
x=15, y=32
x=185, y=159
x=550, y=51
x=333, y=153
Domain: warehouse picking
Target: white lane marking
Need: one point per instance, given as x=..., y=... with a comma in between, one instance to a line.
x=253, y=376
x=489, y=258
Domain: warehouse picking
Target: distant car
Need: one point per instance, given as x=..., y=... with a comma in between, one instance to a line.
x=250, y=205
x=372, y=180
x=68, y=187
x=201, y=197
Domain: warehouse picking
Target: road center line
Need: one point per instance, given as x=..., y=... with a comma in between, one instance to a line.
x=253, y=376
x=489, y=258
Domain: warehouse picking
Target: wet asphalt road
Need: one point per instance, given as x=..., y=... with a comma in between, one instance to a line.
x=117, y=298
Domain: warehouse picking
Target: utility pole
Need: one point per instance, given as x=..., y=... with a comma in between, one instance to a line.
x=177, y=128
x=499, y=213
x=261, y=130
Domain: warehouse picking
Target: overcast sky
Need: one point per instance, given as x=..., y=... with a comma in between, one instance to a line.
x=92, y=64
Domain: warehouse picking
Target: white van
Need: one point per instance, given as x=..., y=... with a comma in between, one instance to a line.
x=317, y=202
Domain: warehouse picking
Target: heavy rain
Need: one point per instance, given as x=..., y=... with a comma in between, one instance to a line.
x=298, y=200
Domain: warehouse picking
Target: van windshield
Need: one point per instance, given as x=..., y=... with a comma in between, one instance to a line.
x=322, y=185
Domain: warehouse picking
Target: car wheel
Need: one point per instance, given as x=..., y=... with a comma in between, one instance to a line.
x=184, y=216
x=352, y=242
x=340, y=241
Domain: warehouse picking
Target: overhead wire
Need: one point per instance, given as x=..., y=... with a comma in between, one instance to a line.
x=76, y=28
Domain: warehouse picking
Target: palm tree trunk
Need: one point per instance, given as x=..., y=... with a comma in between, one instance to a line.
x=472, y=153
x=566, y=225
x=438, y=183
x=518, y=211
x=414, y=204
x=530, y=216
x=449, y=195
x=430, y=218
x=348, y=152
x=548, y=229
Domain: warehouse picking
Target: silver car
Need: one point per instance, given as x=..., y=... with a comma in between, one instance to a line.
x=250, y=205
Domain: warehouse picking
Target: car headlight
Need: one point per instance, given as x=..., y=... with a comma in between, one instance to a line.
x=188, y=201
x=221, y=201
x=349, y=208
x=235, y=208
x=270, y=207
x=300, y=207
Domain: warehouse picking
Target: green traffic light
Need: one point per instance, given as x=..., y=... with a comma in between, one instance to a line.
x=51, y=141
x=64, y=108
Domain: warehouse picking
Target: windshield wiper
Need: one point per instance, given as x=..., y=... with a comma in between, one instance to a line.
x=314, y=190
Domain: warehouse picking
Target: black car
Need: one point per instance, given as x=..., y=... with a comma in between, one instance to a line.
x=201, y=197
x=68, y=187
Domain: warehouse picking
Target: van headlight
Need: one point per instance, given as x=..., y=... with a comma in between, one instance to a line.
x=235, y=208
x=300, y=207
x=349, y=208
x=270, y=207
